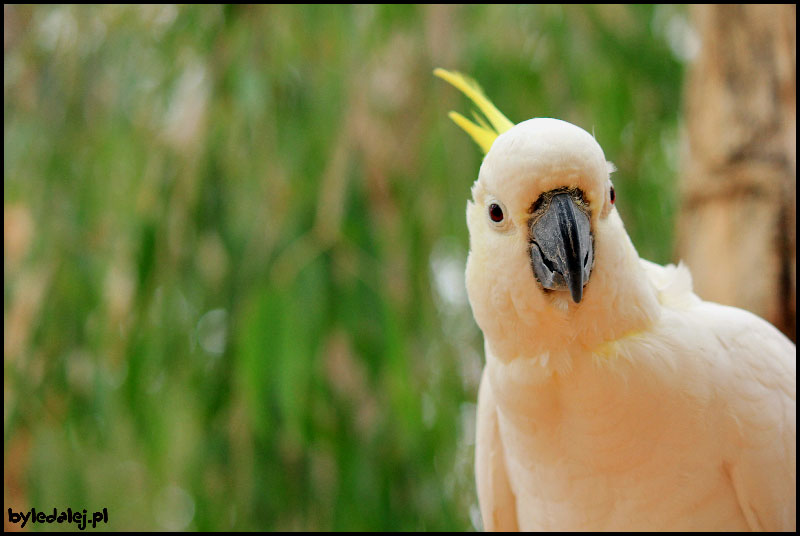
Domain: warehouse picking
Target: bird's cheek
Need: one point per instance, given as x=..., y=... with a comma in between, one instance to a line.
x=480, y=283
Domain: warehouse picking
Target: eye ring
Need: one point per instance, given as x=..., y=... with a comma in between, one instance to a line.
x=498, y=216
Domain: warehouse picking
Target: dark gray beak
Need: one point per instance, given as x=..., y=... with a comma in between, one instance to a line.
x=562, y=252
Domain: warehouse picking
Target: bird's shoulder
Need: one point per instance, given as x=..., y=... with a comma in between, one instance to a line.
x=735, y=357
x=748, y=342
x=716, y=351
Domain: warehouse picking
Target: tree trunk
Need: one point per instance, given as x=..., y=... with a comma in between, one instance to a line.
x=736, y=228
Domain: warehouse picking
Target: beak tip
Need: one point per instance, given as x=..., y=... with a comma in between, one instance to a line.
x=577, y=294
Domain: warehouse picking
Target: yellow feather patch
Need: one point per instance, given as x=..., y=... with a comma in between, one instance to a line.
x=483, y=133
x=483, y=136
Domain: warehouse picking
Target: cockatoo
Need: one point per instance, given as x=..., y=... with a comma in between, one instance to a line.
x=613, y=398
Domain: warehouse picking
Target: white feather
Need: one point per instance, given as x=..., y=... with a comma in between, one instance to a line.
x=640, y=408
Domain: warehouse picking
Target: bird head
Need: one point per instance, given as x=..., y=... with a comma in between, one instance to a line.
x=544, y=186
x=549, y=260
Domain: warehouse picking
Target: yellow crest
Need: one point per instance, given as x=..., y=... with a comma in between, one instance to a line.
x=482, y=132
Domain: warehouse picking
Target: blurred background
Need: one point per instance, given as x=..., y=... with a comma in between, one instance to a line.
x=234, y=244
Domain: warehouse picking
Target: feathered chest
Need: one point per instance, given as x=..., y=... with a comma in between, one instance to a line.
x=588, y=445
x=605, y=415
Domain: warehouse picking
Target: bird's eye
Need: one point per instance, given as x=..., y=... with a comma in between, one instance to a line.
x=495, y=213
x=612, y=195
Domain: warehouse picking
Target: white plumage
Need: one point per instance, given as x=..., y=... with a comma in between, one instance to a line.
x=629, y=404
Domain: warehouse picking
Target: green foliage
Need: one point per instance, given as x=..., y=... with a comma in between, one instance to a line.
x=234, y=237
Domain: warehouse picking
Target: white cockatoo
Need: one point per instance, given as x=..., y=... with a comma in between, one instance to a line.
x=613, y=398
